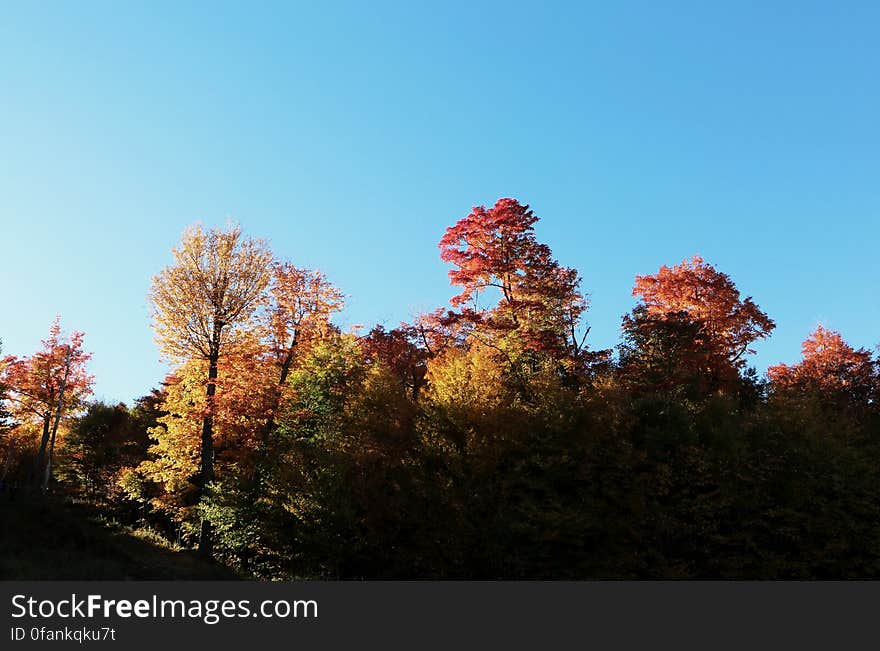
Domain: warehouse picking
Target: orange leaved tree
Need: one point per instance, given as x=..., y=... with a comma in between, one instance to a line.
x=830, y=368
x=300, y=304
x=725, y=324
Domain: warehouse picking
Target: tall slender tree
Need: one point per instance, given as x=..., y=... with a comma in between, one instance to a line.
x=201, y=304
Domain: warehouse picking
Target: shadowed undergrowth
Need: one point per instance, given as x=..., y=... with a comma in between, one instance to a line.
x=57, y=539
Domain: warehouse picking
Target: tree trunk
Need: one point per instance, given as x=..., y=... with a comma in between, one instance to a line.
x=206, y=475
x=48, y=473
x=6, y=465
x=207, y=453
x=44, y=443
x=282, y=380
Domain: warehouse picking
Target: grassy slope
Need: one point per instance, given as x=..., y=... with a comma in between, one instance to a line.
x=56, y=539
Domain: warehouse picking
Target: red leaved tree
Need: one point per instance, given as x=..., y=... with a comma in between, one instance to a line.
x=494, y=253
x=403, y=351
x=46, y=387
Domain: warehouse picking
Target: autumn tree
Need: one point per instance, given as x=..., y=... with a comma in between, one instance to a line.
x=725, y=325
x=504, y=475
x=665, y=354
x=402, y=351
x=6, y=422
x=830, y=368
x=494, y=252
x=243, y=398
x=46, y=387
x=301, y=302
x=5, y=414
x=201, y=305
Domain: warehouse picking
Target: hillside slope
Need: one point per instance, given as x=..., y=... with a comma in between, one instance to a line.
x=55, y=539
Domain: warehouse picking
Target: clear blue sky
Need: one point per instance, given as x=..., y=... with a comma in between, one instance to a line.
x=351, y=135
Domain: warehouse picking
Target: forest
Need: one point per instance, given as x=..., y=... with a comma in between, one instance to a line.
x=483, y=440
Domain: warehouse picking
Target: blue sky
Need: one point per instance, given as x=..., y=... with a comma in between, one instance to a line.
x=351, y=135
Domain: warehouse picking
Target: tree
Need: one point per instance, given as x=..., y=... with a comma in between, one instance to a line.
x=539, y=300
x=201, y=305
x=46, y=387
x=5, y=414
x=399, y=351
x=726, y=324
x=301, y=302
x=308, y=497
x=665, y=354
x=239, y=408
x=101, y=442
x=830, y=369
x=6, y=422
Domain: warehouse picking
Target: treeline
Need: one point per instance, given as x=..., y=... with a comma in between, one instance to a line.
x=482, y=440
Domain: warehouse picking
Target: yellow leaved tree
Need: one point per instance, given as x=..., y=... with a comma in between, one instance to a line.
x=203, y=308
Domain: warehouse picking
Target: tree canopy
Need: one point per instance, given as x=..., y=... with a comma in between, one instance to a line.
x=482, y=439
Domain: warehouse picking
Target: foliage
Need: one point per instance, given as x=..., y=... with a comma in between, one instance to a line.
x=725, y=325
x=831, y=370
x=42, y=391
x=212, y=287
x=202, y=305
x=484, y=439
x=539, y=303
x=101, y=442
